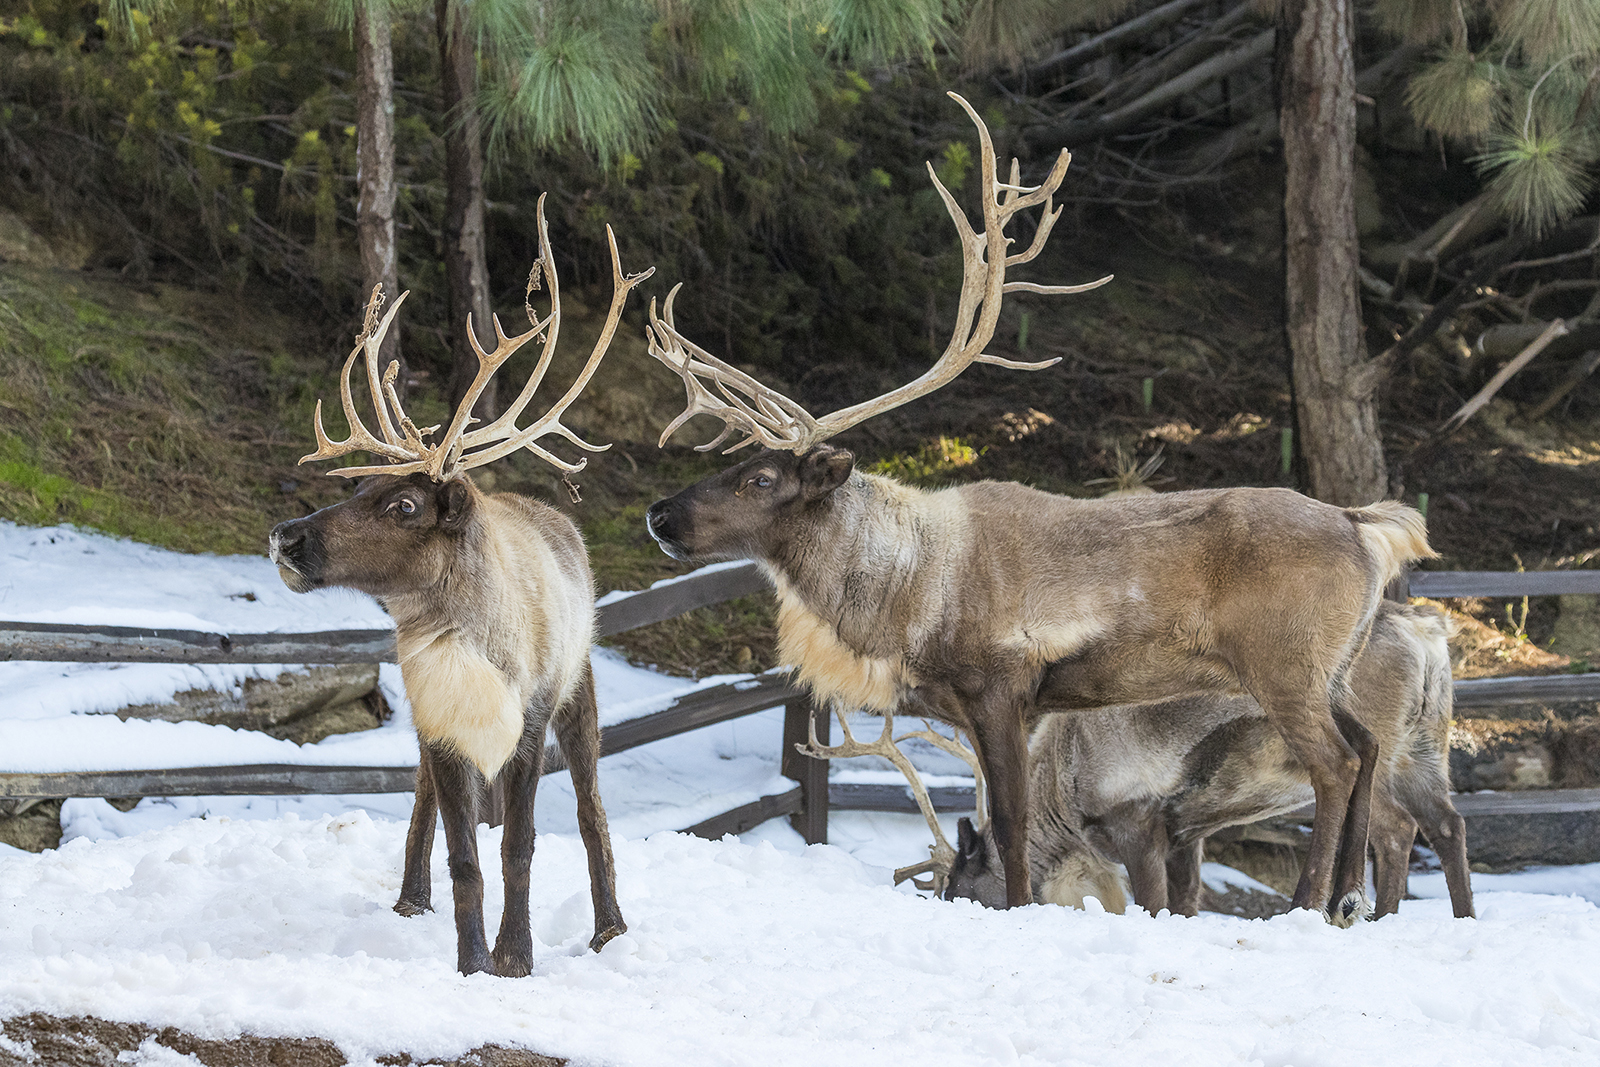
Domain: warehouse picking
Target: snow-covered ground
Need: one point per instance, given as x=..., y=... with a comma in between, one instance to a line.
x=272, y=915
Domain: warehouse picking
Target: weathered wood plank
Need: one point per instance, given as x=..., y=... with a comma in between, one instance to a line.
x=1553, y=688
x=669, y=601
x=856, y=796
x=261, y=779
x=703, y=708
x=59, y=643
x=1517, y=802
x=1503, y=583
x=749, y=816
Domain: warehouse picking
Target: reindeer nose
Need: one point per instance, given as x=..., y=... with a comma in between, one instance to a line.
x=283, y=541
x=655, y=519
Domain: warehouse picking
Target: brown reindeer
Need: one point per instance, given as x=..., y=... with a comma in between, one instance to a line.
x=493, y=606
x=989, y=605
x=1145, y=786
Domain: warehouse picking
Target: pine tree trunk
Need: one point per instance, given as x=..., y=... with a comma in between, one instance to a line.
x=375, y=167
x=465, y=261
x=1333, y=380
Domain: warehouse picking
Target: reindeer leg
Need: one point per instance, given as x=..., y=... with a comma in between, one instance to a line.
x=1446, y=832
x=1183, y=877
x=513, y=946
x=578, y=729
x=1349, y=900
x=1299, y=709
x=416, y=881
x=457, y=786
x=997, y=732
x=1138, y=833
x=1392, y=833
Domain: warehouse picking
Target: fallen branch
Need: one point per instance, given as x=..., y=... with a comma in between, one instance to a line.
x=1585, y=367
x=1460, y=227
x=1261, y=130
x=1073, y=132
x=1065, y=60
x=1506, y=339
x=1440, y=313
x=1424, y=455
x=1205, y=42
x=1557, y=328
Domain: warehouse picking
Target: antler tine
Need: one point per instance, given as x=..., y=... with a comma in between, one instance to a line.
x=762, y=414
x=968, y=756
x=405, y=458
x=887, y=745
x=984, y=261
x=550, y=423
x=371, y=341
x=506, y=425
x=770, y=418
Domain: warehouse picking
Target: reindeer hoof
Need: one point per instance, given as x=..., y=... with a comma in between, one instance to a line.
x=600, y=938
x=513, y=964
x=1351, y=909
x=409, y=908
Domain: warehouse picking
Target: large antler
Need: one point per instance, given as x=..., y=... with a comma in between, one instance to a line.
x=462, y=449
x=937, y=867
x=766, y=416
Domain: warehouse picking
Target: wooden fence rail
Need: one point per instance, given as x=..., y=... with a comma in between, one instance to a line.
x=806, y=804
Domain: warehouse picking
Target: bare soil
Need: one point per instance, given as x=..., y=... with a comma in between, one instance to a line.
x=40, y=1040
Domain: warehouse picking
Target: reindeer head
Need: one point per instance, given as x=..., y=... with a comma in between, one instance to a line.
x=416, y=505
x=977, y=873
x=394, y=535
x=751, y=509
x=718, y=518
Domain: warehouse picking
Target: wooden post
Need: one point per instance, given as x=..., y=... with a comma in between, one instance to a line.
x=811, y=821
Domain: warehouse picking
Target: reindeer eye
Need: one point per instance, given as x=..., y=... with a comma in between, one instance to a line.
x=763, y=482
x=406, y=506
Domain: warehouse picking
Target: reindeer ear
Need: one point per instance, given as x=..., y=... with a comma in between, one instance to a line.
x=825, y=469
x=455, y=502
x=967, y=839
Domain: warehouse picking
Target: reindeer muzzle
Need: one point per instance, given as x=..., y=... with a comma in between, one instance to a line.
x=296, y=547
x=664, y=521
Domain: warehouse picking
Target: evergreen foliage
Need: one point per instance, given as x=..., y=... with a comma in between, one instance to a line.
x=217, y=141
x=1517, y=81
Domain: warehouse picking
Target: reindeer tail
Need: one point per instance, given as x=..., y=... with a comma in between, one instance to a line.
x=1394, y=534
x=1432, y=630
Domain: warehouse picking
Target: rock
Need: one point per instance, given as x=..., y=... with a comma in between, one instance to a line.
x=1577, y=629
x=84, y=1041
x=1575, y=750
x=1505, y=842
x=30, y=824
x=1242, y=902
x=1271, y=863
x=1525, y=753
x=298, y=705
x=1500, y=754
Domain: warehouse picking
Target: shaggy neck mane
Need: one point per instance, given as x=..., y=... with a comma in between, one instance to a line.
x=839, y=578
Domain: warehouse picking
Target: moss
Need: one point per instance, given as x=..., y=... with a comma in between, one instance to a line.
x=158, y=415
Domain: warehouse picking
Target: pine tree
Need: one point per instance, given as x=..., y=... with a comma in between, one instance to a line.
x=1519, y=82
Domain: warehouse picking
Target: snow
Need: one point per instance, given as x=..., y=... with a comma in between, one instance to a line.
x=272, y=915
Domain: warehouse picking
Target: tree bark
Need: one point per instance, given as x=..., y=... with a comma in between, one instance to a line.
x=1333, y=384
x=465, y=261
x=376, y=188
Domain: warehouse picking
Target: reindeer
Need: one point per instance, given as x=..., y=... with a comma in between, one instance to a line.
x=493, y=606
x=1145, y=786
x=989, y=605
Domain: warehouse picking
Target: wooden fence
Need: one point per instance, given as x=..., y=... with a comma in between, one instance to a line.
x=806, y=803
